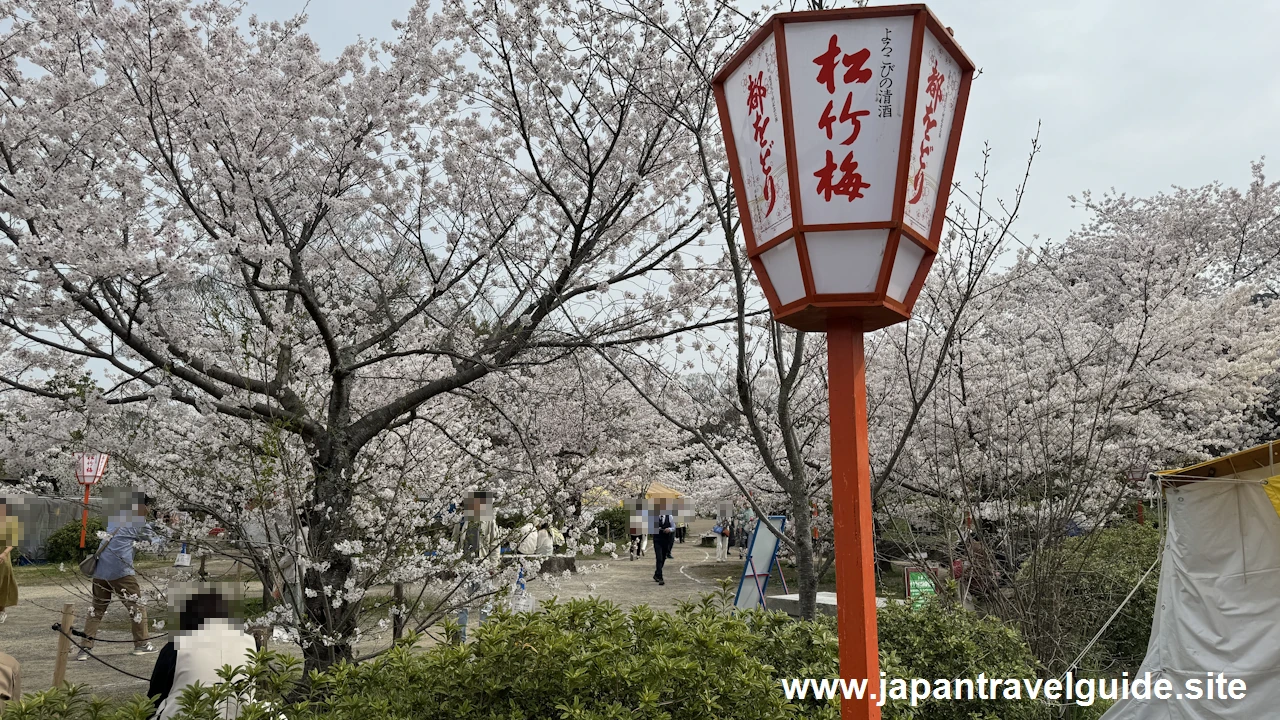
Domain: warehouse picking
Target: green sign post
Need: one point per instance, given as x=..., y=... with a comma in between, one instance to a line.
x=919, y=585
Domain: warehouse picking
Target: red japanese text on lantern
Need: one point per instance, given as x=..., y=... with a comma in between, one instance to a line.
x=848, y=182
x=934, y=90
x=756, y=92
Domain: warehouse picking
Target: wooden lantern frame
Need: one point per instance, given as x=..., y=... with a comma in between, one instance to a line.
x=875, y=309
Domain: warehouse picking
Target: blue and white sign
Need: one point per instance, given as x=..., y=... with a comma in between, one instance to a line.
x=761, y=555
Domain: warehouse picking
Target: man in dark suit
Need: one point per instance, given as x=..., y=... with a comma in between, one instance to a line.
x=663, y=539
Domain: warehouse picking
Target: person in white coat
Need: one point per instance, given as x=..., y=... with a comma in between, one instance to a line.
x=207, y=640
x=527, y=540
x=546, y=542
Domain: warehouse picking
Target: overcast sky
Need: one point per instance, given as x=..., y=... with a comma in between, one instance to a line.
x=1137, y=95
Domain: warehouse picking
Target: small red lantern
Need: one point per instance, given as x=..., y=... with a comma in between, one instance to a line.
x=1137, y=475
x=842, y=128
x=90, y=467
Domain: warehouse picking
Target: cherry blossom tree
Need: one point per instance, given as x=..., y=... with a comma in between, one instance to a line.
x=1136, y=341
x=222, y=219
x=575, y=438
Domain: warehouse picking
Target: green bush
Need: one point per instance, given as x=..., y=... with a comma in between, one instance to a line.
x=64, y=544
x=1083, y=581
x=945, y=641
x=76, y=703
x=591, y=660
x=614, y=522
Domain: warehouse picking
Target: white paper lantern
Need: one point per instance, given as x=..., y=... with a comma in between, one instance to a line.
x=841, y=128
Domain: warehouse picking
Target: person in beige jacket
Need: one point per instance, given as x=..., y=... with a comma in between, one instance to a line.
x=10, y=680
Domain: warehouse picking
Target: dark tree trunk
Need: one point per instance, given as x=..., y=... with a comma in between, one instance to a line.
x=329, y=630
x=806, y=571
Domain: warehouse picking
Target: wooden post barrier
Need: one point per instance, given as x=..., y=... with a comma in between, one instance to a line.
x=64, y=644
x=397, y=619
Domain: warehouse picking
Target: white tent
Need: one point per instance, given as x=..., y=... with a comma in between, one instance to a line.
x=1218, y=604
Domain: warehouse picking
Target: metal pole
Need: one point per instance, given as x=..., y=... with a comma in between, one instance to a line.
x=756, y=577
x=851, y=510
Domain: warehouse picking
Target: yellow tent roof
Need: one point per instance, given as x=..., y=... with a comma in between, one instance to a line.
x=1256, y=464
x=658, y=490
x=1252, y=464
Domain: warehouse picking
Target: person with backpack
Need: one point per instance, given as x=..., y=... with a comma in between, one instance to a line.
x=113, y=573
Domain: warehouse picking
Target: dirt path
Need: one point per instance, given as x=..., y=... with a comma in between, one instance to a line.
x=27, y=635
x=690, y=573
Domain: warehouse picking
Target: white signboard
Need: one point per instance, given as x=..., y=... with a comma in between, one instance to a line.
x=935, y=110
x=848, y=79
x=755, y=112
x=759, y=564
x=90, y=467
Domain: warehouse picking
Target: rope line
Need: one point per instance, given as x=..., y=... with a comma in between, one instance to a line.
x=1164, y=522
x=57, y=627
x=81, y=633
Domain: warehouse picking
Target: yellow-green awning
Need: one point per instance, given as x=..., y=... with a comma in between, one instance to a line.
x=1260, y=463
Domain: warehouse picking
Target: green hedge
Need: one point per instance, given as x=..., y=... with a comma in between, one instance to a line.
x=591, y=660
x=1092, y=574
x=613, y=524
x=942, y=641
x=64, y=544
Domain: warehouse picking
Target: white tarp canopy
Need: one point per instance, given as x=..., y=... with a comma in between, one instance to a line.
x=1218, y=604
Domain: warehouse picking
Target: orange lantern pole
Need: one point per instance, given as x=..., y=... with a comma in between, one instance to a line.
x=851, y=508
x=84, y=515
x=841, y=129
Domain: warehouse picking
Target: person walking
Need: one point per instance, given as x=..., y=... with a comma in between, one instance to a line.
x=722, y=530
x=639, y=527
x=663, y=540
x=207, y=640
x=478, y=536
x=10, y=536
x=115, y=575
x=745, y=530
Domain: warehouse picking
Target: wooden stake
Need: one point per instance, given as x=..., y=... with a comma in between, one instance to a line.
x=64, y=644
x=397, y=621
